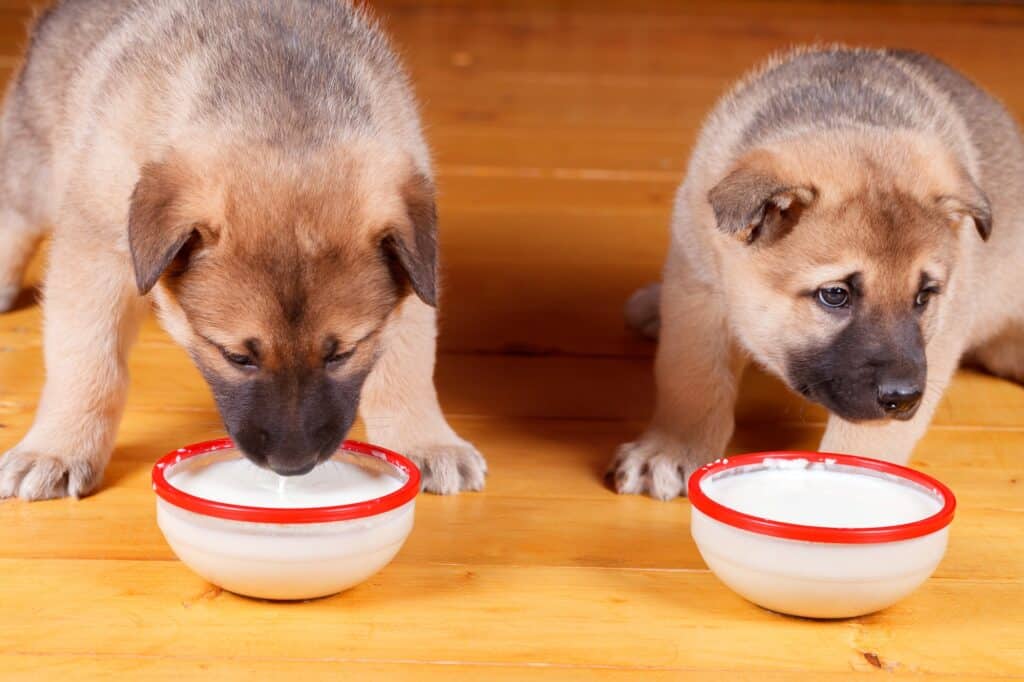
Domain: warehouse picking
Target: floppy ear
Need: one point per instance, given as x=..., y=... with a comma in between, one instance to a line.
x=972, y=203
x=411, y=248
x=158, y=233
x=751, y=203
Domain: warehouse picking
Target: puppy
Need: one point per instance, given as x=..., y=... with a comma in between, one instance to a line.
x=256, y=167
x=853, y=221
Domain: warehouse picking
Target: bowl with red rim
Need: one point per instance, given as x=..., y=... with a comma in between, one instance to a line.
x=285, y=552
x=819, y=535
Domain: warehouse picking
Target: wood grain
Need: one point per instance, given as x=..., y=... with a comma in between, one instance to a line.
x=560, y=131
x=516, y=614
x=174, y=669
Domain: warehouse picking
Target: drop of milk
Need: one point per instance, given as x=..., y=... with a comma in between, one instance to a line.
x=791, y=491
x=239, y=481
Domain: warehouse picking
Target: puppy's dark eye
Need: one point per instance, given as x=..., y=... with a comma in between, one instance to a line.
x=925, y=295
x=834, y=296
x=336, y=359
x=240, y=360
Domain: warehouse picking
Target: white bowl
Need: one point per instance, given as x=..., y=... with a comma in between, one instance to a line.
x=285, y=553
x=817, y=571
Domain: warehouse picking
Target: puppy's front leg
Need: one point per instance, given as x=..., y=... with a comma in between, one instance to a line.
x=400, y=408
x=697, y=372
x=92, y=311
x=894, y=441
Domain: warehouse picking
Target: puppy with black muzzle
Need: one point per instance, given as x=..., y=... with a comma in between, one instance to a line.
x=853, y=221
x=257, y=168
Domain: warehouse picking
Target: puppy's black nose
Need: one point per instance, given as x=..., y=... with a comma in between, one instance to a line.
x=899, y=399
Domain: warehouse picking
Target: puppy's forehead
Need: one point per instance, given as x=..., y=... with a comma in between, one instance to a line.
x=297, y=250
x=886, y=224
x=272, y=288
x=295, y=287
x=886, y=235
x=317, y=202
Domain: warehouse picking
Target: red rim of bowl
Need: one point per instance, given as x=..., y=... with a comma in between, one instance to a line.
x=238, y=512
x=794, y=531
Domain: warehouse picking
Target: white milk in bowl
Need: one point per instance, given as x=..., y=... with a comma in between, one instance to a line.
x=255, y=533
x=816, y=535
x=824, y=494
x=236, y=480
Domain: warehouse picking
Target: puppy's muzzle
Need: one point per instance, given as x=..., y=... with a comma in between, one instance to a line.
x=290, y=451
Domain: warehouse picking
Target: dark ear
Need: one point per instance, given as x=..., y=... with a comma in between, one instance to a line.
x=751, y=203
x=971, y=202
x=158, y=234
x=411, y=248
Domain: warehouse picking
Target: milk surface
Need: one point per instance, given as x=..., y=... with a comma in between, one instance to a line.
x=239, y=481
x=814, y=495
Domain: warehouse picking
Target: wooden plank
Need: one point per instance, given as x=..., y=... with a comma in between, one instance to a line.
x=468, y=149
x=580, y=617
x=628, y=198
x=574, y=451
x=560, y=132
x=474, y=530
x=542, y=473
x=15, y=16
x=173, y=669
x=518, y=100
x=528, y=385
x=686, y=38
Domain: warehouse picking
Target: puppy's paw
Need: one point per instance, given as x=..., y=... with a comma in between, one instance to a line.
x=643, y=311
x=33, y=475
x=653, y=466
x=450, y=467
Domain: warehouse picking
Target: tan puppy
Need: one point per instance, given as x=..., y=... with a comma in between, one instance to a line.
x=853, y=221
x=258, y=167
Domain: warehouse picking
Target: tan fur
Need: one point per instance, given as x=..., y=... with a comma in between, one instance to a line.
x=889, y=201
x=124, y=132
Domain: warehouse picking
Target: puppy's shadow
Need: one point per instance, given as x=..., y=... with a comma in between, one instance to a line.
x=120, y=473
x=539, y=356
x=133, y=460
x=755, y=437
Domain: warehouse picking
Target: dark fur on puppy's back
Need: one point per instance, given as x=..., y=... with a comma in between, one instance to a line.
x=835, y=88
x=832, y=89
x=289, y=52
x=296, y=72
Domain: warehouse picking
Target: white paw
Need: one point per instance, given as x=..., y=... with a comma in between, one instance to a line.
x=449, y=468
x=652, y=466
x=33, y=475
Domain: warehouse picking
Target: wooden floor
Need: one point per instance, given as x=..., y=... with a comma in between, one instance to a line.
x=559, y=135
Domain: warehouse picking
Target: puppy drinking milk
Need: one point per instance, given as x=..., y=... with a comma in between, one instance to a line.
x=853, y=221
x=257, y=168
